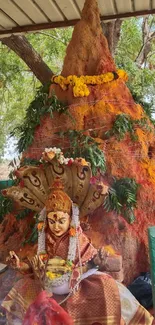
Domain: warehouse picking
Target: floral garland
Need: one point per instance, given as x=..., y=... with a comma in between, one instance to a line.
x=55, y=279
x=80, y=88
x=50, y=153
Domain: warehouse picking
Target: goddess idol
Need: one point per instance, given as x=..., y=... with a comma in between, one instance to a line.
x=67, y=266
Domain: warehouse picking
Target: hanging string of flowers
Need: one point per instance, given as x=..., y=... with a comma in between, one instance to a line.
x=80, y=84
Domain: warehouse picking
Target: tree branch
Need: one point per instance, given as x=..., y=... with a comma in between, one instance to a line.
x=146, y=46
x=21, y=46
x=55, y=38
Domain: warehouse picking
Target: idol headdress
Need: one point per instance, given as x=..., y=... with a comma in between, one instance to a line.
x=35, y=183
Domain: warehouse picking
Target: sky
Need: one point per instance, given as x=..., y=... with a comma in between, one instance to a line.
x=10, y=150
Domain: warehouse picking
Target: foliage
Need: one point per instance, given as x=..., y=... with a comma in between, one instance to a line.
x=33, y=237
x=124, y=124
x=121, y=126
x=51, y=45
x=86, y=147
x=149, y=107
x=141, y=78
x=18, y=84
x=6, y=206
x=40, y=106
x=22, y=214
x=17, y=88
x=29, y=162
x=122, y=198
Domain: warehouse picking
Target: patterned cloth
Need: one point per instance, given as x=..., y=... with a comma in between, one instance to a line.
x=132, y=312
x=96, y=302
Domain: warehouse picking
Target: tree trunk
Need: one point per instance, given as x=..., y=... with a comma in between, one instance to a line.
x=111, y=31
x=21, y=46
x=147, y=36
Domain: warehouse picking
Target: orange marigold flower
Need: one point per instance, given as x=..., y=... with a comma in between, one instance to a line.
x=72, y=231
x=40, y=225
x=44, y=257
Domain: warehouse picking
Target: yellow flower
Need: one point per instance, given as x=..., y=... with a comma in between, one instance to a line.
x=109, y=249
x=150, y=167
x=52, y=275
x=122, y=74
x=79, y=84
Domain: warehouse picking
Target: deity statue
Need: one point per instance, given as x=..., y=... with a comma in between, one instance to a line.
x=67, y=266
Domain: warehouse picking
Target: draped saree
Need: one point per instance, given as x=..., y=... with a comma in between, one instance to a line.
x=96, y=302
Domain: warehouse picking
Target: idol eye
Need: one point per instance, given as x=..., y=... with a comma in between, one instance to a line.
x=62, y=221
x=51, y=221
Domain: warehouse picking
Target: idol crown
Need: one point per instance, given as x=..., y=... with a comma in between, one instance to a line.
x=58, y=200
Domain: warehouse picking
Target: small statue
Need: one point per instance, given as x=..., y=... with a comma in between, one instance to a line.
x=67, y=265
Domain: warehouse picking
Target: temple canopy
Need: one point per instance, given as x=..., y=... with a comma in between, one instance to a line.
x=18, y=16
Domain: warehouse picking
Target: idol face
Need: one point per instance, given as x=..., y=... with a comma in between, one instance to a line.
x=58, y=222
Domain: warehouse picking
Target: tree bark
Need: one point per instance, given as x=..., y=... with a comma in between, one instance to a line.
x=112, y=31
x=21, y=46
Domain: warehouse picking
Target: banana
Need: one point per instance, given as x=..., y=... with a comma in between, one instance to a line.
x=56, y=261
x=57, y=269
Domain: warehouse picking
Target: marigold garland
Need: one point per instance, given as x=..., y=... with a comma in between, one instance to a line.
x=40, y=226
x=72, y=232
x=79, y=84
x=150, y=168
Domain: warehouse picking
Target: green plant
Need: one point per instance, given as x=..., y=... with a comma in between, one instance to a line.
x=86, y=147
x=6, y=206
x=33, y=236
x=23, y=214
x=29, y=162
x=40, y=106
x=121, y=126
x=124, y=123
x=143, y=123
x=122, y=198
x=148, y=107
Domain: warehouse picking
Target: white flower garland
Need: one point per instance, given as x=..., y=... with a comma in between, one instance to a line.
x=59, y=155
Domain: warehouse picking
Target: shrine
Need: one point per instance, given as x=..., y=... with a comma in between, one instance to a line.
x=87, y=186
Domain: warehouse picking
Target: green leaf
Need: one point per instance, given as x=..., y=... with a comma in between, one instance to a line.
x=122, y=198
x=86, y=147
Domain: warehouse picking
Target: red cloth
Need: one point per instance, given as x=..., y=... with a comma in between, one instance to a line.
x=45, y=310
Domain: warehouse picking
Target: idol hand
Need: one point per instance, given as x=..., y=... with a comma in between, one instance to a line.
x=37, y=264
x=13, y=260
